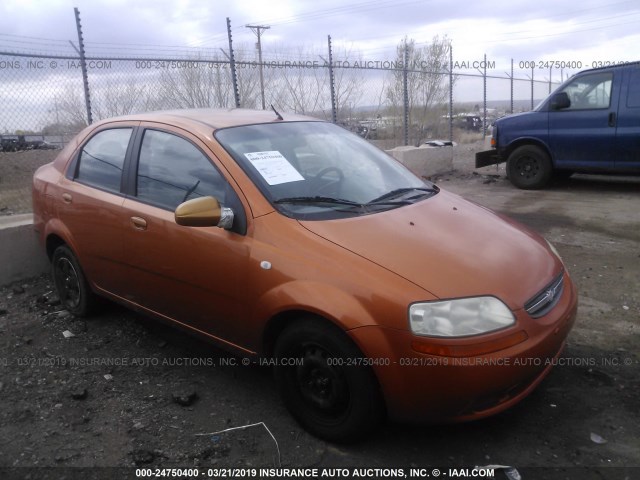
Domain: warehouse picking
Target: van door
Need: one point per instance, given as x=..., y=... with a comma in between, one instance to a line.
x=628, y=123
x=583, y=135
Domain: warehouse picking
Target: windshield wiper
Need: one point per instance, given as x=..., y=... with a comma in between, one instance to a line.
x=336, y=201
x=312, y=200
x=399, y=191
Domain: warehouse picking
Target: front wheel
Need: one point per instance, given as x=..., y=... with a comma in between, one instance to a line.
x=529, y=167
x=71, y=285
x=329, y=392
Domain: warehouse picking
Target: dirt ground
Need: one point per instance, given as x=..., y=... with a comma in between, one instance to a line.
x=16, y=170
x=124, y=391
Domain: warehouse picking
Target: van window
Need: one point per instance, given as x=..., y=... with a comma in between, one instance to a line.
x=590, y=91
x=633, y=94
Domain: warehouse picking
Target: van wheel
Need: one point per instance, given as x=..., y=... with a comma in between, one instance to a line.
x=329, y=394
x=71, y=285
x=529, y=167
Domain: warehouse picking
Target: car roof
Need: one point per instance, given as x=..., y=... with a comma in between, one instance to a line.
x=211, y=118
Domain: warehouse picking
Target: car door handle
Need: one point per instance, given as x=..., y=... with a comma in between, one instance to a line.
x=612, y=119
x=139, y=223
x=67, y=198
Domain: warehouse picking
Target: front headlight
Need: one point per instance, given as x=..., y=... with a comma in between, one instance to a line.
x=459, y=318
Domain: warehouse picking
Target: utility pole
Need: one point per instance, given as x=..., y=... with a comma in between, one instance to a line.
x=257, y=29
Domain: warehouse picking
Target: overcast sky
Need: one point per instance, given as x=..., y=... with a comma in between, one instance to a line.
x=587, y=31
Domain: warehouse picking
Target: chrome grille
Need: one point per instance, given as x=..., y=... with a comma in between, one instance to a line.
x=546, y=299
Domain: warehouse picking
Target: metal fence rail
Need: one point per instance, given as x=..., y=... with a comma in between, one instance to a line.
x=45, y=94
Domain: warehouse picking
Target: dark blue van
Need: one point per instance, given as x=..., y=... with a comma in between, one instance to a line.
x=590, y=124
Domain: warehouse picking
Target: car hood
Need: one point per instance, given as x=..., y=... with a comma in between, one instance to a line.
x=450, y=247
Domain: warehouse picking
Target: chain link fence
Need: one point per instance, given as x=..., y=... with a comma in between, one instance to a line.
x=390, y=103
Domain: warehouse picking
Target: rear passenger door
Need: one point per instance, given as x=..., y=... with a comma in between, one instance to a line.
x=196, y=276
x=628, y=123
x=89, y=200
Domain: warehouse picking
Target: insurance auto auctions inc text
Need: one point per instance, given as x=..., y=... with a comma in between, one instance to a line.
x=371, y=473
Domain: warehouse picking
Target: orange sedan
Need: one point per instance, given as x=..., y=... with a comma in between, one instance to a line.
x=371, y=291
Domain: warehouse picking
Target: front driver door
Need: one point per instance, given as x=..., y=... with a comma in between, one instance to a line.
x=584, y=134
x=193, y=275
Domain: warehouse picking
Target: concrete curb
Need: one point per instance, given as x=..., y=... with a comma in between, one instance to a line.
x=21, y=255
x=425, y=161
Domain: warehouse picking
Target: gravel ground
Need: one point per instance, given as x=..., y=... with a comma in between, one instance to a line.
x=125, y=391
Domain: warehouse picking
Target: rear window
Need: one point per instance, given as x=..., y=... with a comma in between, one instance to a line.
x=102, y=159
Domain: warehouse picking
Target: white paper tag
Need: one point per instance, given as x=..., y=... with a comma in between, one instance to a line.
x=273, y=167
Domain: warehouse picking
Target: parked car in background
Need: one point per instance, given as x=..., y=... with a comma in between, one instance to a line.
x=468, y=121
x=9, y=143
x=371, y=291
x=15, y=143
x=590, y=124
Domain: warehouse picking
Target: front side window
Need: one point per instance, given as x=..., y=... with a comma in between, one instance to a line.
x=102, y=158
x=590, y=91
x=172, y=170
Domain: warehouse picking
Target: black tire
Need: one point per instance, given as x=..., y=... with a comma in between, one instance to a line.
x=72, y=287
x=331, y=399
x=529, y=167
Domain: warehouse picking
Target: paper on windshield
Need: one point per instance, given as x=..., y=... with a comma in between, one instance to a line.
x=273, y=167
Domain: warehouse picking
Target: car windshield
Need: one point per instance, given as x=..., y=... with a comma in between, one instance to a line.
x=317, y=170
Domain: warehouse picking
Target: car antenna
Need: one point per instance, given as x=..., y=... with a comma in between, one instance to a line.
x=276, y=112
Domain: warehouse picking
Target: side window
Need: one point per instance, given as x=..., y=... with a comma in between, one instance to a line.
x=171, y=170
x=590, y=91
x=633, y=95
x=102, y=158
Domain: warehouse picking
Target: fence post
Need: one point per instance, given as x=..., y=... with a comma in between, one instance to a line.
x=332, y=85
x=232, y=61
x=450, y=92
x=484, y=97
x=405, y=93
x=83, y=66
x=532, y=88
x=511, y=78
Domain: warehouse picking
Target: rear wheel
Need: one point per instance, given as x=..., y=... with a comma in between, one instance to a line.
x=529, y=167
x=331, y=394
x=71, y=285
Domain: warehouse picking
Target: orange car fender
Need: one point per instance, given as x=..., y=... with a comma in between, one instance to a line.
x=295, y=299
x=55, y=227
x=317, y=298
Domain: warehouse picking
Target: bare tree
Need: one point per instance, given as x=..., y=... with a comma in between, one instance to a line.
x=348, y=82
x=71, y=107
x=120, y=98
x=293, y=88
x=427, y=83
x=200, y=83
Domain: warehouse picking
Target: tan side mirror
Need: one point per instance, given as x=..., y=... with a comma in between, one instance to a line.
x=199, y=212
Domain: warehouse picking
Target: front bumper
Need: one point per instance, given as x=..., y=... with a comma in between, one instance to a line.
x=488, y=157
x=439, y=389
